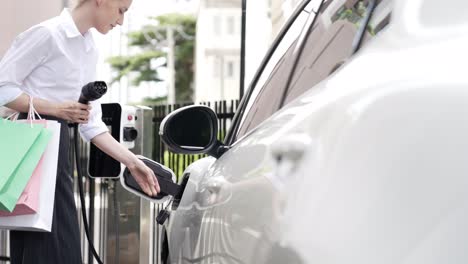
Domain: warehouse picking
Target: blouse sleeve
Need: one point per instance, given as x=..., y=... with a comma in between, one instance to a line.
x=28, y=50
x=95, y=125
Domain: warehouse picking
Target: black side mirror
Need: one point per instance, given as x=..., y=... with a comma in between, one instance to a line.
x=192, y=130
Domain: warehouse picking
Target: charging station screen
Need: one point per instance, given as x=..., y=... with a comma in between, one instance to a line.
x=102, y=165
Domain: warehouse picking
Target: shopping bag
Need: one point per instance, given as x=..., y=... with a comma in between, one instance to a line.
x=15, y=141
x=17, y=179
x=42, y=219
x=28, y=202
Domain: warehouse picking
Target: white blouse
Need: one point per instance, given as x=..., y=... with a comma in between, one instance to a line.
x=52, y=61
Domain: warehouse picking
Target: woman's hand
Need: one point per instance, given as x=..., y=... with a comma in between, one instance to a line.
x=145, y=177
x=142, y=174
x=73, y=112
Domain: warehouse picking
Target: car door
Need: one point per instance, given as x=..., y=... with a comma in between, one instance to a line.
x=231, y=211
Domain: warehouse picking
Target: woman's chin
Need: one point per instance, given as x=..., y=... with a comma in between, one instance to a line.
x=103, y=30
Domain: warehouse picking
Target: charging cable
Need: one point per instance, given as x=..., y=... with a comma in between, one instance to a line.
x=90, y=92
x=83, y=204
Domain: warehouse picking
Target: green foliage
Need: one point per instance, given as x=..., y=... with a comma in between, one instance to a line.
x=180, y=164
x=353, y=15
x=154, y=101
x=146, y=41
x=140, y=63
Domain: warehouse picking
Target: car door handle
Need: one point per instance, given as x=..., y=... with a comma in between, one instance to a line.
x=215, y=185
x=291, y=148
x=287, y=153
x=215, y=192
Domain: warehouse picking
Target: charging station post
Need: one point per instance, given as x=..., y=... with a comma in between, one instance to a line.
x=123, y=223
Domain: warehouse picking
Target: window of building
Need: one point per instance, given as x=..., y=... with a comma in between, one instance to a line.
x=230, y=69
x=217, y=25
x=217, y=66
x=230, y=25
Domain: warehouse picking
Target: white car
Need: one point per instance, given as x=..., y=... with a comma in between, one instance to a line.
x=350, y=146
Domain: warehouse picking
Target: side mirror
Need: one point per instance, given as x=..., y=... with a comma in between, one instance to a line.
x=192, y=130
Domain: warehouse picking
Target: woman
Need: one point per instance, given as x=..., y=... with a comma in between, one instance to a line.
x=51, y=62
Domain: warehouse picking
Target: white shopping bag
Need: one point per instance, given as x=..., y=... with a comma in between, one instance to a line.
x=42, y=220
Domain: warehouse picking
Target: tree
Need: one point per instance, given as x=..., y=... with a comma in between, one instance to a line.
x=148, y=41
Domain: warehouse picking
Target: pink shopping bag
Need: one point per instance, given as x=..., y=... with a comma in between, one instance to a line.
x=28, y=203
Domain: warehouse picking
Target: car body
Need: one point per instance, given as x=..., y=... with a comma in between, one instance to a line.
x=337, y=156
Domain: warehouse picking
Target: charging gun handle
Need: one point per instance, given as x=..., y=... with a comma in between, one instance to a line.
x=163, y=174
x=168, y=187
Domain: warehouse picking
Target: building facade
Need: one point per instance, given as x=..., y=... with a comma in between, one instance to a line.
x=217, y=50
x=19, y=15
x=218, y=42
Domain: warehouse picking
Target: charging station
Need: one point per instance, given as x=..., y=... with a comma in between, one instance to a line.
x=123, y=224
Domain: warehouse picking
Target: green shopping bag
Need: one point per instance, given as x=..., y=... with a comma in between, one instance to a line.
x=21, y=147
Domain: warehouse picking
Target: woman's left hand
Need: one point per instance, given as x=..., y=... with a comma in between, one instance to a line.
x=145, y=177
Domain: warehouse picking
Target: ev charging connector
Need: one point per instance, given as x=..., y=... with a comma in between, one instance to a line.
x=166, y=179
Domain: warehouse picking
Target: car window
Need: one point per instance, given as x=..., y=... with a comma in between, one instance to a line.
x=330, y=43
x=265, y=97
x=328, y=46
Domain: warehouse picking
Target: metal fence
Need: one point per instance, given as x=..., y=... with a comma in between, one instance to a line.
x=178, y=162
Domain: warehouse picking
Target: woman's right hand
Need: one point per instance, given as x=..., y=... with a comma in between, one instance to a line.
x=73, y=112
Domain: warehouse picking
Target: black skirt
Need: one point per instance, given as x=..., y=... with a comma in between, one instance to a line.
x=62, y=244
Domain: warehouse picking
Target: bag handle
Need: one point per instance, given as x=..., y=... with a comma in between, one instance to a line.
x=32, y=111
x=12, y=117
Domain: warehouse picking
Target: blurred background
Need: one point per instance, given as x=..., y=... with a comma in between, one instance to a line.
x=169, y=51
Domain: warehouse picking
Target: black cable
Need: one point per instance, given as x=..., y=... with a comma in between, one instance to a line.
x=6, y=259
x=83, y=204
